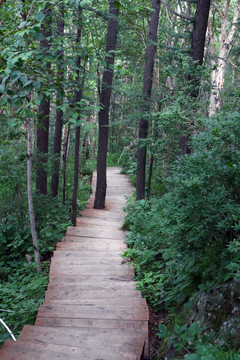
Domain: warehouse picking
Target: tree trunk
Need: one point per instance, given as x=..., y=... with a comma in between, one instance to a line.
x=146, y=96
x=76, y=175
x=198, y=40
x=59, y=112
x=217, y=77
x=78, y=97
x=30, y=198
x=65, y=160
x=150, y=177
x=103, y=117
x=197, y=55
x=44, y=111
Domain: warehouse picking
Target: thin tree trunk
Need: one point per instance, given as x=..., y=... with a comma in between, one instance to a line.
x=150, y=177
x=76, y=175
x=65, y=161
x=59, y=112
x=30, y=198
x=44, y=113
x=103, y=117
x=146, y=96
x=225, y=47
x=78, y=97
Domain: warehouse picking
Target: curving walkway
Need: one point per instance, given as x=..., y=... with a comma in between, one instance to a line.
x=91, y=309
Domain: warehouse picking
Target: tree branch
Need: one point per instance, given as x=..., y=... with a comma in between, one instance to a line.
x=174, y=12
x=1, y=2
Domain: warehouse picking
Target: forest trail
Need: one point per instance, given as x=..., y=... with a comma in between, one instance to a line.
x=91, y=309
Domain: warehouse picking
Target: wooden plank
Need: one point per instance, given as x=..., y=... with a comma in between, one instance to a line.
x=126, y=301
x=81, y=260
x=78, y=278
x=24, y=350
x=91, y=294
x=71, y=246
x=91, y=240
x=96, y=338
x=95, y=232
x=96, y=286
x=110, y=270
x=95, y=323
x=139, y=312
x=64, y=254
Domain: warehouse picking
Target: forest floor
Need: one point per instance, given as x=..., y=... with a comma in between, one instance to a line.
x=155, y=318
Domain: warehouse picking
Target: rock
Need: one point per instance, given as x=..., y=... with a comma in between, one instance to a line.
x=219, y=310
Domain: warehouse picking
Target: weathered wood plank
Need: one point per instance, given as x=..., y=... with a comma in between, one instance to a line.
x=23, y=350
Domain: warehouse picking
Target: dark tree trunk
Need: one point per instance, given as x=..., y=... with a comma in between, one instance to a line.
x=150, y=176
x=103, y=117
x=199, y=31
x=77, y=134
x=59, y=112
x=65, y=160
x=198, y=39
x=146, y=96
x=196, y=54
x=76, y=175
x=44, y=111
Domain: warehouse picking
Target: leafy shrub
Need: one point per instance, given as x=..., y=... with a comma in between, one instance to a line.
x=186, y=238
x=21, y=296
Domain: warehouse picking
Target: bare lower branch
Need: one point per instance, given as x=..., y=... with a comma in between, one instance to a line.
x=174, y=12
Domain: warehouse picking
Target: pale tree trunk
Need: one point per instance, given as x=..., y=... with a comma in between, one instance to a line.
x=217, y=78
x=30, y=198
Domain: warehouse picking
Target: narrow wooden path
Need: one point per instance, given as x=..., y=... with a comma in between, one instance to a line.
x=91, y=309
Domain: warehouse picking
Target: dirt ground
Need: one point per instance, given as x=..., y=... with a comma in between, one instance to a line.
x=154, y=320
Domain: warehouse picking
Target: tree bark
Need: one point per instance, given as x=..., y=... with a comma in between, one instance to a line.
x=198, y=40
x=44, y=112
x=59, y=112
x=30, y=198
x=226, y=40
x=146, y=96
x=76, y=175
x=103, y=117
x=78, y=97
x=196, y=55
x=65, y=161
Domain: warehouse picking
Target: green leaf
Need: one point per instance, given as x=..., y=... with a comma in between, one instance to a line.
x=23, y=23
x=39, y=17
x=193, y=357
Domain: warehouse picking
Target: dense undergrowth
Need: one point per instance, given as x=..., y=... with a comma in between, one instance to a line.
x=187, y=239
x=22, y=289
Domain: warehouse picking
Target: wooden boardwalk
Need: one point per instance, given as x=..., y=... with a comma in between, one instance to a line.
x=91, y=309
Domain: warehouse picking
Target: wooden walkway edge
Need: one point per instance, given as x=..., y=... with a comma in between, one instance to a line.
x=92, y=310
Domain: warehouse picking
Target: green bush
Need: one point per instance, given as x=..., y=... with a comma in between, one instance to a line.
x=186, y=238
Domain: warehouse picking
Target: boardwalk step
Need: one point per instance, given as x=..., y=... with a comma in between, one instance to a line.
x=94, y=285
x=110, y=270
x=25, y=350
x=91, y=247
x=75, y=294
x=95, y=232
x=91, y=240
x=85, y=338
x=94, y=323
x=124, y=301
x=140, y=312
